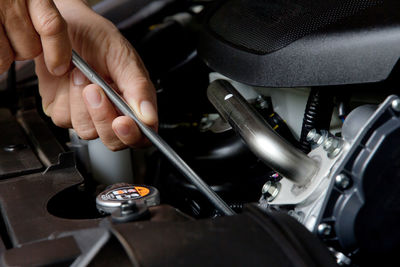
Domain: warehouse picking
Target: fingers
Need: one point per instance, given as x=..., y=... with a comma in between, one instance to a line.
x=55, y=95
x=129, y=73
x=80, y=117
x=128, y=132
x=6, y=53
x=19, y=29
x=140, y=98
x=53, y=32
x=102, y=114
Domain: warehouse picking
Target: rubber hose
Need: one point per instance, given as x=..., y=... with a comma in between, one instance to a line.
x=317, y=115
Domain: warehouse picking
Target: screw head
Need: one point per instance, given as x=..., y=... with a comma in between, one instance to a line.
x=342, y=181
x=324, y=229
x=396, y=105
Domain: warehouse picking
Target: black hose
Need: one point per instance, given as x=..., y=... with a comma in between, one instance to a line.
x=317, y=115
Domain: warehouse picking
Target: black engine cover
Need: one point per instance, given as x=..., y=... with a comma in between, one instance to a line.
x=291, y=43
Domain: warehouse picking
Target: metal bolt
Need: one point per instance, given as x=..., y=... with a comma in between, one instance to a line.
x=312, y=134
x=342, y=181
x=341, y=259
x=396, y=105
x=14, y=147
x=261, y=102
x=324, y=229
x=333, y=146
x=315, y=138
x=270, y=190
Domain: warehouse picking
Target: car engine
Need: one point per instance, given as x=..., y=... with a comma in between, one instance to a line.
x=288, y=110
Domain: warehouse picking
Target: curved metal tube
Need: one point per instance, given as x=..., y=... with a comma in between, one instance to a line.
x=259, y=136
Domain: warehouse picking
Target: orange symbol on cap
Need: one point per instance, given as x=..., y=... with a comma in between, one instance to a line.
x=143, y=191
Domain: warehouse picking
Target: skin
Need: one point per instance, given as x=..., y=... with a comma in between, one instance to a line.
x=46, y=31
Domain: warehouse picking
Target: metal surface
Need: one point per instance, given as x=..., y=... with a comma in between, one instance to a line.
x=262, y=140
x=158, y=142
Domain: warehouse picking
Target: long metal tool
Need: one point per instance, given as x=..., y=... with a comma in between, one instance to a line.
x=156, y=139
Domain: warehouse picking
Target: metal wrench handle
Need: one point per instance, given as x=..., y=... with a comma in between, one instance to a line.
x=156, y=139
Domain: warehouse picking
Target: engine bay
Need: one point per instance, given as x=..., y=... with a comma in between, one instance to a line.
x=287, y=109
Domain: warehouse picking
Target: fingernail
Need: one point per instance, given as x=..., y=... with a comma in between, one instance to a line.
x=123, y=130
x=147, y=110
x=60, y=70
x=78, y=78
x=93, y=97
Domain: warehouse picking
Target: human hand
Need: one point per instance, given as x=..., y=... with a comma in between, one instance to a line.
x=29, y=26
x=71, y=101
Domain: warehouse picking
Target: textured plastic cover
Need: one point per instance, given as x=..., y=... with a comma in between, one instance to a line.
x=302, y=42
x=264, y=26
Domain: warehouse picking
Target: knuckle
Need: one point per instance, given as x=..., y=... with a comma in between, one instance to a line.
x=87, y=133
x=51, y=24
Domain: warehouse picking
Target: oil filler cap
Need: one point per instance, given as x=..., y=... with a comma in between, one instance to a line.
x=116, y=196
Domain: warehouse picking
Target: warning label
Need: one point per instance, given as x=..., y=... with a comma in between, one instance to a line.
x=143, y=191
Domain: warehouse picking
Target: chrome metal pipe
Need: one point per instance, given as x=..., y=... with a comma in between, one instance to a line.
x=156, y=139
x=259, y=136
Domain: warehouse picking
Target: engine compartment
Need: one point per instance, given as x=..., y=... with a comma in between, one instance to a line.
x=299, y=139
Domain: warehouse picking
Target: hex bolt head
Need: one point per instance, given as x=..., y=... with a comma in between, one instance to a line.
x=342, y=181
x=329, y=144
x=333, y=146
x=396, y=105
x=270, y=190
x=324, y=229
